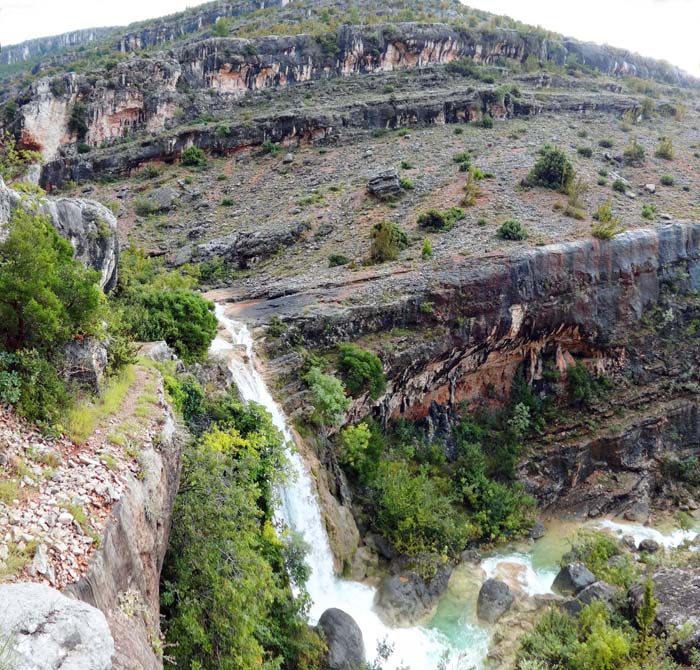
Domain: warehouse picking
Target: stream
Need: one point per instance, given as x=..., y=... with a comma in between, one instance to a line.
x=453, y=636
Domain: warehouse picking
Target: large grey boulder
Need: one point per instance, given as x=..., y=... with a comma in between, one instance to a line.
x=89, y=226
x=677, y=592
x=46, y=630
x=572, y=579
x=346, y=648
x=406, y=599
x=495, y=599
x=86, y=362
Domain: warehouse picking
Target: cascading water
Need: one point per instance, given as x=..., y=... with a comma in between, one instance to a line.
x=416, y=648
x=419, y=648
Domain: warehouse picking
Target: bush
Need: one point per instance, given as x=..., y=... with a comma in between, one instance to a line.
x=328, y=397
x=388, y=241
x=665, y=149
x=605, y=143
x=634, y=153
x=227, y=202
x=360, y=451
x=414, y=511
x=427, y=250
x=649, y=212
x=464, y=160
x=183, y=319
x=406, y=184
x=362, y=371
x=512, y=230
x=221, y=28
x=486, y=121
x=436, y=221
x=552, y=170
x=13, y=161
x=334, y=260
x=586, y=152
x=46, y=297
x=272, y=148
x=667, y=180
x=194, y=157
x=619, y=186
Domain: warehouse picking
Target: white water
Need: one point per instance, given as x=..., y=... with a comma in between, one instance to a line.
x=416, y=648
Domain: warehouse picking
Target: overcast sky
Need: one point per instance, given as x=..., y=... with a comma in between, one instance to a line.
x=659, y=28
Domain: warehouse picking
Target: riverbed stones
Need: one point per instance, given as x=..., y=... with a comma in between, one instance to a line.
x=495, y=599
x=572, y=579
x=45, y=629
x=346, y=648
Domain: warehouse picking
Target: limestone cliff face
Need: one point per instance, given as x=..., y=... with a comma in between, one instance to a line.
x=89, y=226
x=157, y=93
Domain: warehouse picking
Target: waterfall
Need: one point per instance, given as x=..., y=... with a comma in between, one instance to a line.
x=416, y=648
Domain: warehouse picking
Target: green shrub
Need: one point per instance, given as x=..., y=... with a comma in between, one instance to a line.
x=440, y=221
x=360, y=451
x=272, y=148
x=221, y=28
x=13, y=161
x=406, y=184
x=464, y=160
x=183, y=319
x=227, y=202
x=334, y=260
x=362, y=371
x=193, y=157
x=634, y=153
x=388, y=240
x=46, y=297
x=586, y=152
x=427, y=250
x=649, y=212
x=328, y=396
x=512, y=230
x=414, y=512
x=486, y=121
x=552, y=170
x=619, y=186
x=667, y=180
x=407, y=165
x=605, y=143
x=665, y=149
x=602, y=181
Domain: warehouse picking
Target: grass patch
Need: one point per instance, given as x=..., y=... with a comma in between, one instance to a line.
x=16, y=561
x=83, y=419
x=9, y=491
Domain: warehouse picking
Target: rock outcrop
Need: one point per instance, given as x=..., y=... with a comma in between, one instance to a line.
x=41, y=629
x=89, y=226
x=572, y=579
x=346, y=649
x=678, y=611
x=495, y=599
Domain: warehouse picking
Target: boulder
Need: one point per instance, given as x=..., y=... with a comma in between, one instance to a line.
x=385, y=184
x=89, y=226
x=163, y=199
x=365, y=563
x=160, y=351
x=346, y=648
x=495, y=599
x=47, y=630
x=86, y=362
x=597, y=591
x=572, y=579
x=538, y=531
x=677, y=592
x=649, y=546
x=405, y=598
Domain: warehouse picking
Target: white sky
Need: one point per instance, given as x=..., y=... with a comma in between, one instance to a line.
x=660, y=28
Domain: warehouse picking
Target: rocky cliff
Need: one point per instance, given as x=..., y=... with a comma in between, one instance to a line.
x=89, y=226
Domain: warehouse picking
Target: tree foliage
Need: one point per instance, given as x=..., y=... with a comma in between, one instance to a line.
x=362, y=371
x=14, y=161
x=552, y=170
x=328, y=396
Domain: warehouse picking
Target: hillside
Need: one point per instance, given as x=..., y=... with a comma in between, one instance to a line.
x=455, y=260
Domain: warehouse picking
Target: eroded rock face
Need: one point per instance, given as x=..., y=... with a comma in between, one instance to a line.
x=89, y=226
x=678, y=611
x=47, y=630
x=346, y=648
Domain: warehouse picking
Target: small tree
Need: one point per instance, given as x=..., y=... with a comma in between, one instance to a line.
x=14, y=161
x=512, y=230
x=665, y=149
x=552, y=170
x=388, y=241
x=362, y=371
x=427, y=250
x=328, y=396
